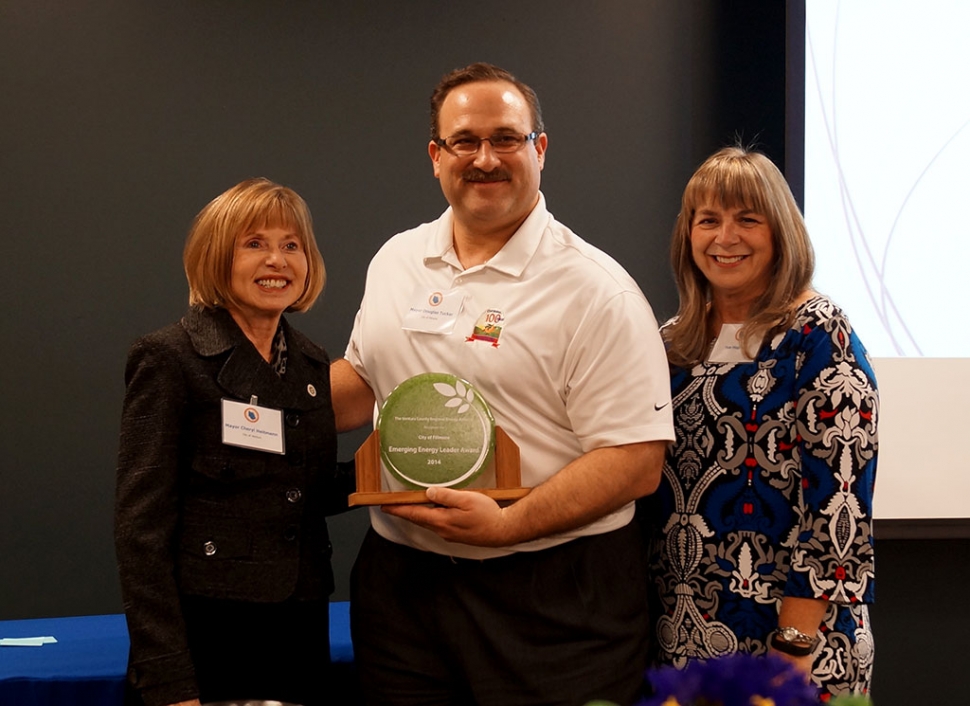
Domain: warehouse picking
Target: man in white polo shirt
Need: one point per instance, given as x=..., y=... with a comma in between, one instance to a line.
x=462, y=601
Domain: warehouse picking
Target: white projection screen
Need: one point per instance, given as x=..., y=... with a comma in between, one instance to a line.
x=887, y=201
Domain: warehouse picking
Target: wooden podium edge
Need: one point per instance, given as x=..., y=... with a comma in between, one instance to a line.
x=508, y=477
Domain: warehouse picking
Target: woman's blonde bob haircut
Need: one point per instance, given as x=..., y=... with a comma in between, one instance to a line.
x=737, y=177
x=248, y=206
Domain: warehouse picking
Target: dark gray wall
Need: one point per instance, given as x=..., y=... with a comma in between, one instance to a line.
x=120, y=120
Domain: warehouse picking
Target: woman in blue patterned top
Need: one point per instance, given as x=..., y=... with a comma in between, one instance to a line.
x=765, y=538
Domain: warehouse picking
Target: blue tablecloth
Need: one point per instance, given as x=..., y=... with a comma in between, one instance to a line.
x=86, y=666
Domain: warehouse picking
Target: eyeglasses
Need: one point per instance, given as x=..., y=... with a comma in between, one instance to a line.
x=467, y=145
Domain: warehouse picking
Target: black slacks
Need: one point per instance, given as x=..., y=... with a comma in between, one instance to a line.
x=259, y=651
x=561, y=626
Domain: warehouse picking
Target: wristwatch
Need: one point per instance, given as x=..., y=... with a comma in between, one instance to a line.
x=793, y=642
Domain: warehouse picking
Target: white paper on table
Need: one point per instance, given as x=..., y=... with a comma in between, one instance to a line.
x=26, y=641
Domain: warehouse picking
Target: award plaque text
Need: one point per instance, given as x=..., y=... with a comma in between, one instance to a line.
x=436, y=430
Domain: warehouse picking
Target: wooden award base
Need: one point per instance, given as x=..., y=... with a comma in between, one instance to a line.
x=508, y=478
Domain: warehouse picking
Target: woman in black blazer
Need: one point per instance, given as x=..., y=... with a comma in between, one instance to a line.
x=227, y=469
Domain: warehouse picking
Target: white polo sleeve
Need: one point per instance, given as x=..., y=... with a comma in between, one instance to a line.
x=618, y=385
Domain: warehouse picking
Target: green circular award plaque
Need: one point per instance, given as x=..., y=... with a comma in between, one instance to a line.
x=435, y=429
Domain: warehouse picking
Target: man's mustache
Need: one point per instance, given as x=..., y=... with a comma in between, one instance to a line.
x=475, y=174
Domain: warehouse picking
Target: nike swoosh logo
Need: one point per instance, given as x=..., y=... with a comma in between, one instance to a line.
x=659, y=407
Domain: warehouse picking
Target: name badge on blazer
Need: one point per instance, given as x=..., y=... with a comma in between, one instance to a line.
x=252, y=427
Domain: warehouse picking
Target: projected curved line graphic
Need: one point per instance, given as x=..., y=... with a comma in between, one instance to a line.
x=886, y=301
x=872, y=274
x=885, y=155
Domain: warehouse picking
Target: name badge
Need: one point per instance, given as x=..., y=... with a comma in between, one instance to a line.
x=252, y=426
x=727, y=347
x=433, y=311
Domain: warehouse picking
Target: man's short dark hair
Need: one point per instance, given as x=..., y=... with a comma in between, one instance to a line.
x=480, y=71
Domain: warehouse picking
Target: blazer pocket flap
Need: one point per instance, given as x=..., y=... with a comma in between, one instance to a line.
x=230, y=468
x=216, y=543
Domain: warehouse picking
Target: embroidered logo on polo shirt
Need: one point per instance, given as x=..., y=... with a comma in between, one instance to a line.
x=488, y=328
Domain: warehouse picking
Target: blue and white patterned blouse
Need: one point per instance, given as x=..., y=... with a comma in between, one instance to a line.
x=767, y=492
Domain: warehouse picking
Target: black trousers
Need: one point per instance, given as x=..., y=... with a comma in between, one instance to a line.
x=564, y=625
x=259, y=651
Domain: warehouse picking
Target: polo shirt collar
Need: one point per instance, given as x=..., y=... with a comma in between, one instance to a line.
x=514, y=256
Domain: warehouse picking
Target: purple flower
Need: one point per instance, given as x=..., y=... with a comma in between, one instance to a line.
x=732, y=681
